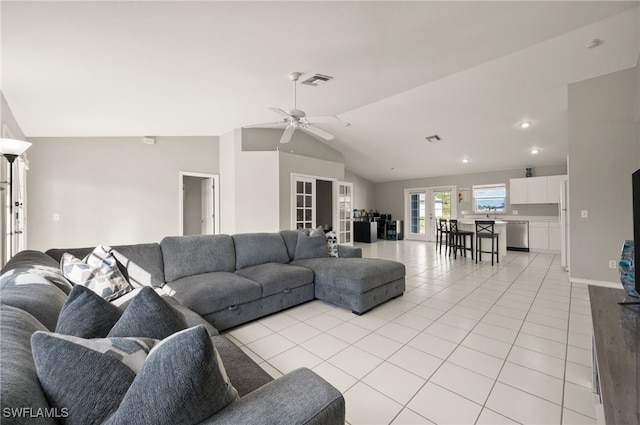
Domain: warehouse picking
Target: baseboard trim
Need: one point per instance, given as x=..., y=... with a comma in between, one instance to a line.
x=615, y=285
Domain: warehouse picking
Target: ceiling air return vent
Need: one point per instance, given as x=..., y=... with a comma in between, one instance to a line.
x=316, y=80
x=434, y=138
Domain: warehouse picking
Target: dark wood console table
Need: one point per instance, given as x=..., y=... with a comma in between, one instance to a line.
x=616, y=336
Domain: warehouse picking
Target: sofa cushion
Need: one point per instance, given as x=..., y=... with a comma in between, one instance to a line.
x=310, y=247
x=245, y=374
x=98, y=271
x=33, y=294
x=148, y=316
x=197, y=254
x=211, y=292
x=86, y=314
x=353, y=274
x=20, y=385
x=141, y=264
x=276, y=277
x=29, y=258
x=89, y=381
x=290, y=240
x=183, y=381
x=259, y=248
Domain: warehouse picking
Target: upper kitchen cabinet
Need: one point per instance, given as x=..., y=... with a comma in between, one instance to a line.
x=535, y=190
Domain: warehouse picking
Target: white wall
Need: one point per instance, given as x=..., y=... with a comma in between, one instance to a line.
x=110, y=190
x=364, y=191
x=604, y=150
x=249, y=187
x=227, y=156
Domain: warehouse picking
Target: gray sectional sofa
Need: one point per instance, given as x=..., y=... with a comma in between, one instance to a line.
x=231, y=280
x=215, y=282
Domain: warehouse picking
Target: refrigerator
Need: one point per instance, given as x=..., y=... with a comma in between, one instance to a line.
x=563, y=205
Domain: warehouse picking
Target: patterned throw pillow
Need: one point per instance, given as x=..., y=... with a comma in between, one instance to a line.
x=87, y=378
x=332, y=243
x=98, y=271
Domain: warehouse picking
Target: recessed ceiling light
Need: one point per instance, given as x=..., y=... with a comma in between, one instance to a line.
x=525, y=124
x=534, y=151
x=465, y=160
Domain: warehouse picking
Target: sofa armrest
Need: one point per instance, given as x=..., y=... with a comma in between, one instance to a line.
x=299, y=397
x=346, y=251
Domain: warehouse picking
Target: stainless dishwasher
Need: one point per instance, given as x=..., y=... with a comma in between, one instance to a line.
x=518, y=235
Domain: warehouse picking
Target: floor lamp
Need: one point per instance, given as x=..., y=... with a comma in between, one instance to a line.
x=11, y=149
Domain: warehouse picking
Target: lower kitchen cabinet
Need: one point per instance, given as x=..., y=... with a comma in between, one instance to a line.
x=544, y=236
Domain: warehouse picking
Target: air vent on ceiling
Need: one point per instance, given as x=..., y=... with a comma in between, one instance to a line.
x=434, y=138
x=317, y=80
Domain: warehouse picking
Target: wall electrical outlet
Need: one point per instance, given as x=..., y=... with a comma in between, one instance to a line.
x=612, y=264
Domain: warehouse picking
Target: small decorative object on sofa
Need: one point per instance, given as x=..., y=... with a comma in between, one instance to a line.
x=627, y=269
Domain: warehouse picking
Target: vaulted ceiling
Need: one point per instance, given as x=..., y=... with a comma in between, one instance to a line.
x=469, y=72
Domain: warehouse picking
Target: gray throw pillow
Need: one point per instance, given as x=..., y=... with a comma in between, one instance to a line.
x=182, y=382
x=86, y=379
x=86, y=314
x=148, y=316
x=310, y=247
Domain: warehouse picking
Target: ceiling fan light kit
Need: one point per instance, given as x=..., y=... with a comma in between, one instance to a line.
x=297, y=119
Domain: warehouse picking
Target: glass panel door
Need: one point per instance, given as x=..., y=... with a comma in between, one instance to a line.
x=344, y=212
x=416, y=215
x=303, y=203
x=440, y=208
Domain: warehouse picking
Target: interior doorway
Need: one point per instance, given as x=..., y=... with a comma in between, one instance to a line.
x=199, y=205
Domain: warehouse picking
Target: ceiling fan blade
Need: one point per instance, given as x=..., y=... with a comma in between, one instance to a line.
x=280, y=112
x=323, y=118
x=266, y=125
x=318, y=132
x=288, y=134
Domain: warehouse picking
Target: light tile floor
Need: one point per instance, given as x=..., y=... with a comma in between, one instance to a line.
x=466, y=344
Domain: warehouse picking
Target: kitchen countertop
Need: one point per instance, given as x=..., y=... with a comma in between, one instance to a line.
x=506, y=217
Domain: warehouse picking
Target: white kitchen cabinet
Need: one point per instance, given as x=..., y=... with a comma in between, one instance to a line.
x=538, y=235
x=535, y=190
x=554, y=236
x=544, y=236
x=518, y=191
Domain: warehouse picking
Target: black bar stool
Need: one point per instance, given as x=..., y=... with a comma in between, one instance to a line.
x=485, y=229
x=442, y=233
x=459, y=239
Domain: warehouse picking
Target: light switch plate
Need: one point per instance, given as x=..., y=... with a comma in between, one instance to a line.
x=514, y=212
x=584, y=213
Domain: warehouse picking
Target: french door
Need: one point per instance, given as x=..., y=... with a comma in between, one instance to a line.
x=344, y=203
x=424, y=207
x=304, y=198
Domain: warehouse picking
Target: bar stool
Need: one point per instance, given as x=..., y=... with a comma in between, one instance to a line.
x=459, y=238
x=485, y=229
x=442, y=232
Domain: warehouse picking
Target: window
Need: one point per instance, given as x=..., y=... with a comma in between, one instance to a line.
x=489, y=198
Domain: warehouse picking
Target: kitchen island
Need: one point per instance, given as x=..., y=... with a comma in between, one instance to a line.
x=500, y=228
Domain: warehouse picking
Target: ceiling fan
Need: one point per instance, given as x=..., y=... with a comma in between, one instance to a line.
x=295, y=118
